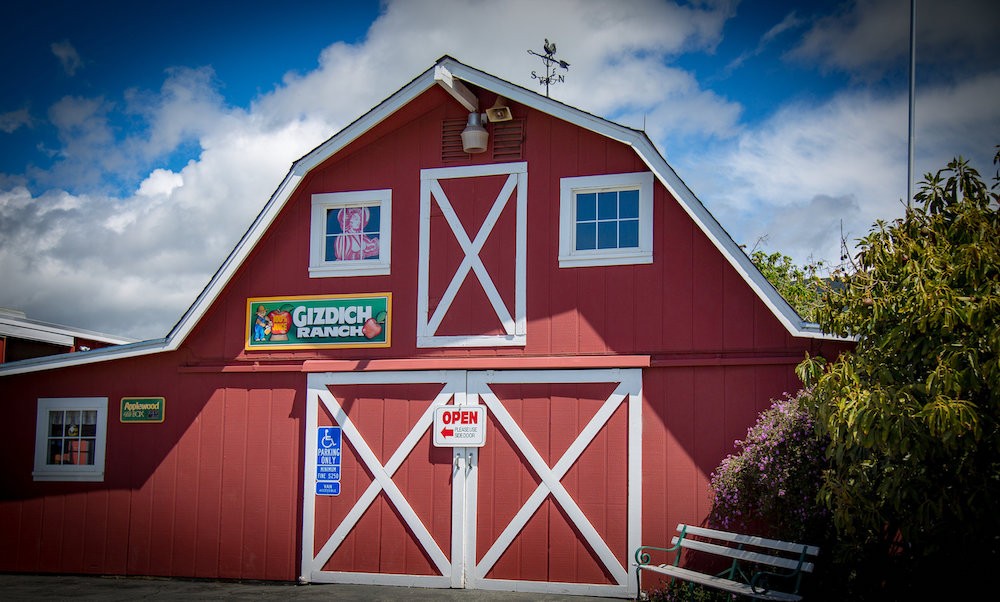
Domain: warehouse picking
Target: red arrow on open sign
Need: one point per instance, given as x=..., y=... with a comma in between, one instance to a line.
x=447, y=432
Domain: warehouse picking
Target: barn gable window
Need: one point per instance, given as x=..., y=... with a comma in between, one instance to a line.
x=606, y=220
x=350, y=233
x=70, y=439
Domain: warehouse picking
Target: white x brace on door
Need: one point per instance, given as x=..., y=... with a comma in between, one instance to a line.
x=513, y=320
x=462, y=566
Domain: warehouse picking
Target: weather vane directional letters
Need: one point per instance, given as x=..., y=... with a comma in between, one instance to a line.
x=551, y=64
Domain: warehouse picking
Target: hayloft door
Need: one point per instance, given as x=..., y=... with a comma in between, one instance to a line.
x=473, y=256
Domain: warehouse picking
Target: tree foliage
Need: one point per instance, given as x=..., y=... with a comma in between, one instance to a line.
x=800, y=286
x=913, y=412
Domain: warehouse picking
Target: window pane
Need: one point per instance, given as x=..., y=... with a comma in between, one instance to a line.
x=586, y=236
x=73, y=420
x=607, y=205
x=353, y=241
x=332, y=225
x=81, y=452
x=628, y=234
x=628, y=204
x=586, y=207
x=607, y=235
x=56, y=424
x=330, y=254
x=374, y=221
x=55, y=455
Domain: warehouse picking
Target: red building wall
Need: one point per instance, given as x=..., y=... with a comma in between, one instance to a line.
x=214, y=491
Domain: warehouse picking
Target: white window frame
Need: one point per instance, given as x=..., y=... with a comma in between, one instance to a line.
x=70, y=472
x=569, y=256
x=319, y=267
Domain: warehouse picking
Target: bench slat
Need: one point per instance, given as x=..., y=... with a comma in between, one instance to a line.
x=747, y=555
x=763, y=542
x=720, y=583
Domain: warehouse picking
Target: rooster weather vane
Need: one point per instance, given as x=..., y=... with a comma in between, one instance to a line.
x=551, y=64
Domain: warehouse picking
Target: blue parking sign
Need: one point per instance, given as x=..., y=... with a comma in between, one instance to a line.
x=328, y=440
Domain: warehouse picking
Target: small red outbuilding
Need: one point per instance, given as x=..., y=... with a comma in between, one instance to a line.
x=501, y=369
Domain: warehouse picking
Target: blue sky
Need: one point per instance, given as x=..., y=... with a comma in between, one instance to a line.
x=138, y=141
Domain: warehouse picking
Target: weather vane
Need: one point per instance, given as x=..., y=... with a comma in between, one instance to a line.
x=551, y=64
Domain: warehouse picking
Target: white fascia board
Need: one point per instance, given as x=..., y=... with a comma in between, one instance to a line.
x=367, y=121
x=53, y=333
x=235, y=259
x=80, y=358
x=34, y=333
x=280, y=197
x=778, y=306
x=538, y=102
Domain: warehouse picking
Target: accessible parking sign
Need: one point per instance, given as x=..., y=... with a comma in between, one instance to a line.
x=328, y=439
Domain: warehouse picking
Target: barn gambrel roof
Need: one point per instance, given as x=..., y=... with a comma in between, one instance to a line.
x=445, y=72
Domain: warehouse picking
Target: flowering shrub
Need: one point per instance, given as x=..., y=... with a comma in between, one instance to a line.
x=770, y=486
x=679, y=591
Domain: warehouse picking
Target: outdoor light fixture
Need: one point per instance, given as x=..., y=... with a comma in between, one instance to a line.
x=474, y=136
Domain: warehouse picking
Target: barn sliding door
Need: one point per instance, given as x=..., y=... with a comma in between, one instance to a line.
x=550, y=503
x=555, y=498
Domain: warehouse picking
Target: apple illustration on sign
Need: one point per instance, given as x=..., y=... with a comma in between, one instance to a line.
x=373, y=326
x=281, y=322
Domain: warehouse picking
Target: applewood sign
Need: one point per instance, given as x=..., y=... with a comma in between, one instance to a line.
x=313, y=322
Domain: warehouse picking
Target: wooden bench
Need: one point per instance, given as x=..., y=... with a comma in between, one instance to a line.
x=766, y=569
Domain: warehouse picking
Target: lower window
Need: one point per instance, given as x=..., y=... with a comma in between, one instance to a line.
x=70, y=439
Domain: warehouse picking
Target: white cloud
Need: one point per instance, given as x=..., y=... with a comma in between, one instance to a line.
x=14, y=120
x=131, y=266
x=809, y=170
x=870, y=37
x=68, y=57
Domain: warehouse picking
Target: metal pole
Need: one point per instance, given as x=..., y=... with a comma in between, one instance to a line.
x=913, y=72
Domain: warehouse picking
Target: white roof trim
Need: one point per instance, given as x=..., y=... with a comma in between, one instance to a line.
x=448, y=68
x=792, y=322
x=16, y=324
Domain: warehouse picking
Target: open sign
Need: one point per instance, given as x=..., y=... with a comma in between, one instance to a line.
x=460, y=426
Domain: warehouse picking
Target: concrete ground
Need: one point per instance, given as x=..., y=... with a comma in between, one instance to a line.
x=59, y=587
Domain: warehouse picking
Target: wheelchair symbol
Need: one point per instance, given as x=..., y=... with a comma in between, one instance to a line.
x=327, y=441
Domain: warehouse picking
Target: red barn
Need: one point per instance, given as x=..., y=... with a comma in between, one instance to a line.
x=478, y=338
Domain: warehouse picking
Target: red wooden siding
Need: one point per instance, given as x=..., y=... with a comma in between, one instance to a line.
x=547, y=549
x=381, y=542
x=215, y=490
x=211, y=492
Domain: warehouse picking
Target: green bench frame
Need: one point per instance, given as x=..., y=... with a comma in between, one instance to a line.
x=755, y=562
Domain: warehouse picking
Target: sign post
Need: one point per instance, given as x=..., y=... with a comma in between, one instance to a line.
x=328, y=439
x=460, y=426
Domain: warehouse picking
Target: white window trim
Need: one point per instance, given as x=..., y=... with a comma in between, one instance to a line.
x=70, y=472
x=319, y=267
x=569, y=256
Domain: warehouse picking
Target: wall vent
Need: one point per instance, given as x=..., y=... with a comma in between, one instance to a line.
x=506, y=140
x=451, y=140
